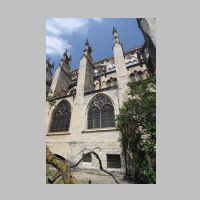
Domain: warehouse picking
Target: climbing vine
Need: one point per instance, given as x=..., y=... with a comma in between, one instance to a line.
x=51, y=98
x=137, y=122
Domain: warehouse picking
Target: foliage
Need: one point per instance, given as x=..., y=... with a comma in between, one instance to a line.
x=137, y=122
x=148, y=172
x=50, y=98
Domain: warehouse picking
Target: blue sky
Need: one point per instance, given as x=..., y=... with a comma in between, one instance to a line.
x=71, y=33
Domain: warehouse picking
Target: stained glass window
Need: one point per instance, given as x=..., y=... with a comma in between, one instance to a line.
x=61, y=117
x=101, y=113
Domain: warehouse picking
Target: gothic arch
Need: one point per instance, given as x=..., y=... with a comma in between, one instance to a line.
x=61, y=117
x=108, y=83
x=140, y=75
x=114, y=81
x=133, y=77
x=100, y=112
x=72, y=91
x=146, y=74
x=103, y=84
x=97, y=85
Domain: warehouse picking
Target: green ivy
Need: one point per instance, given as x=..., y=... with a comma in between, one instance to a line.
x=137, y=122
x=148, y=172
x=51, y=99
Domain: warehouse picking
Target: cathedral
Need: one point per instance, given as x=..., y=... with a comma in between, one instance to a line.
x=87, y=101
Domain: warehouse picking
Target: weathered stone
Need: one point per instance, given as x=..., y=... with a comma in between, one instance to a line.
x=70, y=144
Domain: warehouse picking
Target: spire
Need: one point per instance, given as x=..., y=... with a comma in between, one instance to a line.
x=66, y=57
x=87, y=43
x=65, y=52
x=49, y=65
x=114, y=30
x=87, y=47
x=115, y=35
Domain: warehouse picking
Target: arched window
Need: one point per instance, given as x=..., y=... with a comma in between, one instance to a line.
x=93, y=117
x=103, y=84
x=133, y=77
x=107, y=116
x=140, y=76
x=146, y=75
x=61, y=117
x=96, y=84
x=72, y=91
x=108, y=83
x=101, y=113
x=114, y=82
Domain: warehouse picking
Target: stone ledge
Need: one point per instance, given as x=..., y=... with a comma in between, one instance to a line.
x=58, y=133
x=99, y=130
x=100, y=90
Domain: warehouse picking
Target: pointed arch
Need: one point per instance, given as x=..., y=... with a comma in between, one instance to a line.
x=97, y=85
x=140, y=75
x=103, y=84
x=101, y=112
x=114, y=82
x=133, y=77
x=108, y=83
x=146, y=74
x=61, y=117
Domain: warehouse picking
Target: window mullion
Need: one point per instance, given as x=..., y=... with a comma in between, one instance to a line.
x=93, y=120
x=100, y=119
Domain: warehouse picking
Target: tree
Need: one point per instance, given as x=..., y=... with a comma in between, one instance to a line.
x=137, y=122
x=62, y=167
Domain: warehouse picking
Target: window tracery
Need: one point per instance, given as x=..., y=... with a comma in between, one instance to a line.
x=61, y=117
x=101, y=113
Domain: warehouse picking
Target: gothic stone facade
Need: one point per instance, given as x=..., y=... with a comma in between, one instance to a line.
x=88, y=99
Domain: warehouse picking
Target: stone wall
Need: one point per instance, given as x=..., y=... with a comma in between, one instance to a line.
x=70, y=144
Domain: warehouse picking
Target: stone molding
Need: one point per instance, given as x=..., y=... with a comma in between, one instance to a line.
x=58, y=133
x=100, y=130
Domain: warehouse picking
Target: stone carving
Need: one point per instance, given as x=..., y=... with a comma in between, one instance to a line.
x=100, y=100
x=62, y=109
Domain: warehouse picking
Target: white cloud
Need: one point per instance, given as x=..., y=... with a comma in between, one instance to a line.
x=98, y=19
x=57, y=28
x=61, y=26
x=56, y=45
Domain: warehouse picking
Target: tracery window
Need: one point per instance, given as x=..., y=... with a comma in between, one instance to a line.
x=93, y=117
x=101, y=113
x=61, y=117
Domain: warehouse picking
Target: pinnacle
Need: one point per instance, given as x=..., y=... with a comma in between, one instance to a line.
x=114, y=30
